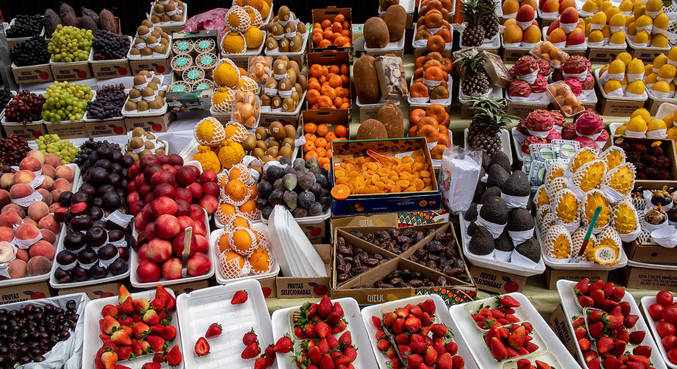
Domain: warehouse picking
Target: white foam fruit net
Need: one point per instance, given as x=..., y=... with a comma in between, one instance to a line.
x=554, y=233
x=218, y=133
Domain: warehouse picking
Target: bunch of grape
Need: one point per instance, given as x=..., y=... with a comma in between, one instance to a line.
x=24, y=107
x=12, y=150
x=25, y=26
x=70, y=44
x=4, y=98
x=30, y=52
x=66, y=101
x=52, y=144
x=109, y=45
x=108, y=103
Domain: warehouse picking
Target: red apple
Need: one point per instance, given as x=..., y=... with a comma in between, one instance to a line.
x=211, y=188
x=131, y=186
x=147, y=161
x=159, y=250
x=151, y=170
x=143, y=252
x=167, y=226
x=199, y=228
x=163, y=205
x=195, y=190
x=171, y=269
x=162, y=159
x=186, y=176
x=182, y=208
x=164, y=189
x=140, y=221
x=169, y=168
x=136, y=207
x=185, y=222
x=147, y=212
x=197, y=213
x=175, y=159
x=145, y=189
x=198, y=264
x=184, y=194
x=133, y=196
x=207, y=176
x=139, y=180
x=148, y=271
x=209, y=203
x=198, y=243
x=149, y=231
x=163, y=176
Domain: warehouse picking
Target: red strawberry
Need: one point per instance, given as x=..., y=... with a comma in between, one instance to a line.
x=346, y=339
x=260, y=363
x=596, y=329
x=327, y=362
x=108, y=324
x=412, y=324
x=156, y=330
x=109, y=309
x=124, y=352
x=213, y=330
x=174, y=356
x=439, y=330
x=151, y=317
x=323, y=345
x=630, y=320
x=517, y=338
x=612, y=363
x=240, y=297
x=584, y=344
x=340, y=327
x=152, y=365
x=159, y=303
x=509, y=301
x=169, y=332
x=586, y=301
x=608, y=288
x=376, y=322
x=140, y=329
x=542, y=365
x=109, y=358
x=298, y=333
x=333, y=318
x=451, y=348
x=315, y=355
x=581, y=332
x=141, y=305
x=322, y=330
x=159, y=357
x=642, y=351
x=617, y=293
x=249, y=337
x=428, y=306
x=615, y=321
x=430, y=355
x=157, y=343
x=127, y=307
x=118, y=366
x=251, y=351
x=121, y=338
x=594, y=364
x=338, y=309
x=637, y=337
x=382, y=344
x=604, y=344
x=530, y=346
x=582, y=286
x=140, y=347
x=598, y=297
x=414, y=360
x=269, y=354
x=324, y=307
x=418, y=347
x=641, y=359
x=402, y=312
x=498, y=349
x=402, y=339
x=578, y=322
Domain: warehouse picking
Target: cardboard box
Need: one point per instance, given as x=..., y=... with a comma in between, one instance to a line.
x=269, y=287
x=496, y=281
x=151, y=124
x=384, y=203
x=75, y=129
x=522, y=109
x=331, y=57
x=266, y=118
x=74, y=71
x=511, y=54
x=96, y=291
x=30, y=131
x=603, y=54
x=553, y=275
x=560, y=326
x=651, y=279
x=104, y=128
x=32, y=74
x=23, y=292
x=106, y=69
x=160, y=66
x=190, y=286
x=650, y=253
x=647, y=55
x=622, y=107
x=669, y=151
x=329, y=13
x=306, y=287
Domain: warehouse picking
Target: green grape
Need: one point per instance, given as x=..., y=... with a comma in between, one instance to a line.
x=70, y=44
x=66, y=101
x=52, y=144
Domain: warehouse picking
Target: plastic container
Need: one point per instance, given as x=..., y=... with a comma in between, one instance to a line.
x=480, y=351
x=292, y=55
x=214, y=240
x=569, y=93
x=365, y=357
x=93, y=342
x=568, y=298
x=505, y=142
x=134, y=263
x=446, y=102
x=512, y=53
x=394, y=47
x=441, y=315
x=296, y=112
x=453, y=10
x=645, y=53
x=491, y=303
x=655, y=102
x=490, y=262
x=647, y=301
x=200, y=308
x=546, y=357
x=171, y=25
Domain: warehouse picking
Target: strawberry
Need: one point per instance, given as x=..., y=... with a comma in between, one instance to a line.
x=171, y=301
x=615, y=322
x=589, y=355
x=126, y=320
x=269, y=354
x=376, y=322
x=126, y=307
x=341, y=361
x=428, y=306
x=326, y=362
x=598, y=297
x=121, y=338
x=417, y=347
x=542, y=365
x=608, y=288
x=346, y=339
x=630, y=321
x=586, y=301
x=642, y=350
x=635, y=365
x=612, y=363
x=578, y=322
x=608, y=304
x=118, y=366
x=140, y=347
x=580, y=332
x=439, y=330
x=141, y=305
x=403, y=350
x=108, y=324
x=159, y=303
x=260, y=363
x=445, y=361
x=249, y=337
x=157, y=343
x=151, y=317
x=597, y=315
x=451, y=348
x=323, y=345
x=530, y=346
x=524, y=364
x=430, y=355
x=298, y=333
x=123, y=294
x=398, y=325
x=625, y=307
x=509, y=301
x=325, y=306
x=151, y=366
x=596, y=329
x=109, y=309
x=604, y=344
x=251, y=351
x=402, y=312
x=309, y=331
x=340, y=327
x=414, y=360
x=213, y=330
x=582, y=286
x=382, y=344
x=617, y=293
x=240, y=297
x=637, y=337
x=389, y=319
x=412, y=324
x=159, y=357
x=109, y=358
x=174, y=356
x=333, y=318
x=641, y=359
x=517, y=337
x=169, y=332
x=315, y=355
x=124, y=352
x=338, y=309
x=498, y=349
x=322, y=330
x=156, y=330
x=140, y=329
x=457, y=362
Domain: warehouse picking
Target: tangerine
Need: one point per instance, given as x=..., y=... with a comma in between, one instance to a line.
x=236, y=190
x=310, y=127
x=340, y=192
x=242, y=241
x=341, y=131
x=260, y=261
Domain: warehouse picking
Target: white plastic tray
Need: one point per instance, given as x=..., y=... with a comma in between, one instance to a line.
x=445, y=103
x=409, y=7
x=390, y=47
x=453, y=10
x=200, y=308
x=65, y=64
x=647, y=301
x=624, y=98
x=93, y=341
x=523, y=49
x=147, y=113
x=94, y=61
x=287, y=113
x=632, y=45
x=365, y=357
x=249, y=52
x=442, y=315
x=150, y=57
x=291, y=53
x=490, y=262
x=565, y=289
x=505, y=142
x=480, y=351
x=580, y=47
x=134, y=263
x=214, y=240
x=637, y=264
x=171, y=23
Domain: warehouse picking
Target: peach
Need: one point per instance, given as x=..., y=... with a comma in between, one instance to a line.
x=15, y=208
x=6, y=234
x=17, y=268
x=576, y=37
x=510, y=6
x=20, y=190
x=62, y=184
x=22, y=254
x=557, y=35
x=525, y=13
x=42, y=248
x=512, y=34
x=37, y=154
x=47, y=235
x=30, y=163
x=148, y=271
x=48, y=222
x=53, y=160
x=4, y=198
x=9, y=219
x=7, y=180
x=47, y=183
x=198, y=264
x=6, y=252
x=56, y=193
x=65, y=172
x=48, y=170
x=551, y=6
x=532, y=34
x=46, y=196
x=568, y=12
x=24, y=176
x=39, y=265
x=30, y=221
x=27, y=231
x=37, y=210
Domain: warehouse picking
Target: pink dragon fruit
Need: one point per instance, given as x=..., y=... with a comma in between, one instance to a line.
x=575, y=85
x=544, y=67
x=539, y=84
x=576, y=64
x=586, y=142
x=569, y=132
x=519, y=89
x=557, y=118
x=589, y=82
x=525, y=65
x=539, y=121
x=522, y=127
x=589, y=123
x=531, y=140
x=557, y=75
x=553, y=135
x=603, y=136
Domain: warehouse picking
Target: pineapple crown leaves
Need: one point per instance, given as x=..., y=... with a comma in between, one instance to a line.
x=481, y=103
x=472, y=62
x=472, y=11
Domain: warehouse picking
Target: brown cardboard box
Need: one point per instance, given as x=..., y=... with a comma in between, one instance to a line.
x=267, y=118
x=106, y=69
x=647, y=55
x=669, y=150
x=651, y=279
x=330, y=57
x=269, y=287
x=151, y=124
x=650, y=253
x=306, y=287
x=553, y=275
x=189, y=287
x=559, y=324
x=161, y=66
x=74, y=71
x=75, y=129
x=23, y=292
x=522, y=109
x=497, y=281
x=622, y=107
x=96, y=291
x=104, y=128
x=603, y=54
x=511, y=54
x=32, y=74
x=329, y=13
x=30, y=131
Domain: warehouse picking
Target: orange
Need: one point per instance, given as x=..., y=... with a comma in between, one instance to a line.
x=334, y=69
x=236, y=190
x=321, y=152
x=314, y=84
x=323, y=162
x=335, y=81
x=310, y=127
x=310, y=137
x=227, y=209
x=242, y=241
x=325, y=101
x=234, y=261
x=315, y=70
x=223, y=243
x=340, y=192
x=313, y=96
x=253, y=193
x=260, y=261
x=326, y=23
x=241, y=222
x=248, y=207
x=341, y=131
x=310, y=154
x=339, y=18
x=322, y=129
x=234, y=173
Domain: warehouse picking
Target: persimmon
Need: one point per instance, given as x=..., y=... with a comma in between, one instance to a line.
x=330, y=136
x=315, y=70
x=433, y=18
x=341, y=131
x=447, y=65
x=418, y=73
x=314, y=84
x=345, y=106
x=309, y=146
x=321, y=142
x=418, y=62
x=326, y=23
x=335, y=80
x=323, y=79
x=436, y=111
x=432, y=63
x=334, y=69
x=445, y=33
x=428, y=121
x=437, y=151
x=444, y=131
x=435, y=55
x=343, y=92
x=324, y=161
x=429, y=132
x=317, y=38
x=324, y=44
x=313, y=96
x=328, y=91
x=340, y=41
x=416, y=115
x=328, y=34
x=435, y=43
x=418, y=89
x=413, y=130
x=310, y=127
x=434, y=73
x=337, y=27
x=345, y=32
x=338, y=101
x=345, y=69
x=310, y=137
x=317, y=25
x=310, y=154
x=346, y=25
x=325, y=102
x=443, y=139
x=345, y=79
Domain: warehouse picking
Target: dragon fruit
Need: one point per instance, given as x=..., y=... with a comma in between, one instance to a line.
x=539, y=121
x=589, y=123
x=557, y=75
x=539, y=84
x=589, y=82
x=576, y=64
x=544, y=67
x=519, y=89
x=557, y=118
x=531, y=140
x=522, y=127
x=525, y=65
x=603, y=136
x=586, y=142
x=553, y=135
x=569, y=132
x=575, y=85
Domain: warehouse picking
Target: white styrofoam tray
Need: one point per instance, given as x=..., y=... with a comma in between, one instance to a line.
x=92, y=341
x=365, y=357
x=291, y=53
x=171, y=23
x=442, y=315
x=390, y=47
x=150, y=57
x=445, y=103
x=481, y=352
x=505, y=142
x=569, y=303
x=647, y=301
x=21, y=39
x=624, y=98
x=287, y=113
x=200, y=308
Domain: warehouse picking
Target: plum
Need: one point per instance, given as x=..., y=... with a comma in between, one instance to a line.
x=289, y=181
x=300, y=213
x=290, y=199
x=307, y=181
x=299, y=163
x=275, y=197
x=306, y=199
x=316, y=209
x=264, y=188
x=312, y=163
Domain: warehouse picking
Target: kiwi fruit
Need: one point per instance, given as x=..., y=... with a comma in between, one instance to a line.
x=261, y=145
x=271, y=44
x=261, y=133
x=276, y=130
x=283, y=45
x=249, y=142
x=288, y=141
x=258, y=152
x=272, y=151
x=285, y=151
x=289, y=131
x=273, y=143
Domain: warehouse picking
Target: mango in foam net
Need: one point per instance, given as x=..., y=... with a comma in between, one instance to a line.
x=567, y=206
x=592, y=175
x=594, y=199
x=542, y=197
x=625, y=218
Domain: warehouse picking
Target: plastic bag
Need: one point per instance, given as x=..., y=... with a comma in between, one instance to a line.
x=459, y=173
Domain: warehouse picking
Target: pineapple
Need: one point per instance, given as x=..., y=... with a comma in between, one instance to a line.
x=475, y=78
x=489, y=19
x=488, y=118
x=473, y=34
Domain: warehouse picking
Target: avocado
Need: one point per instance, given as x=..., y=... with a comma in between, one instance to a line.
x=479, y=190
x=481, y=243
x=497, y=175
x=494, y=210
x=486, y=160
x=520, y=220
x=501, y=159
x=531, y=206
x=490, y=192
x=471, y=213
x=517, y=184
x=504, y=242
x=530, y=249
x=472, y=229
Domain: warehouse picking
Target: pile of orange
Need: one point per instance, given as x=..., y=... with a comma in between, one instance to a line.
x=328, y=86
x=365, y=175
x=318, y=141
x=330, y=32
x=431, y=123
